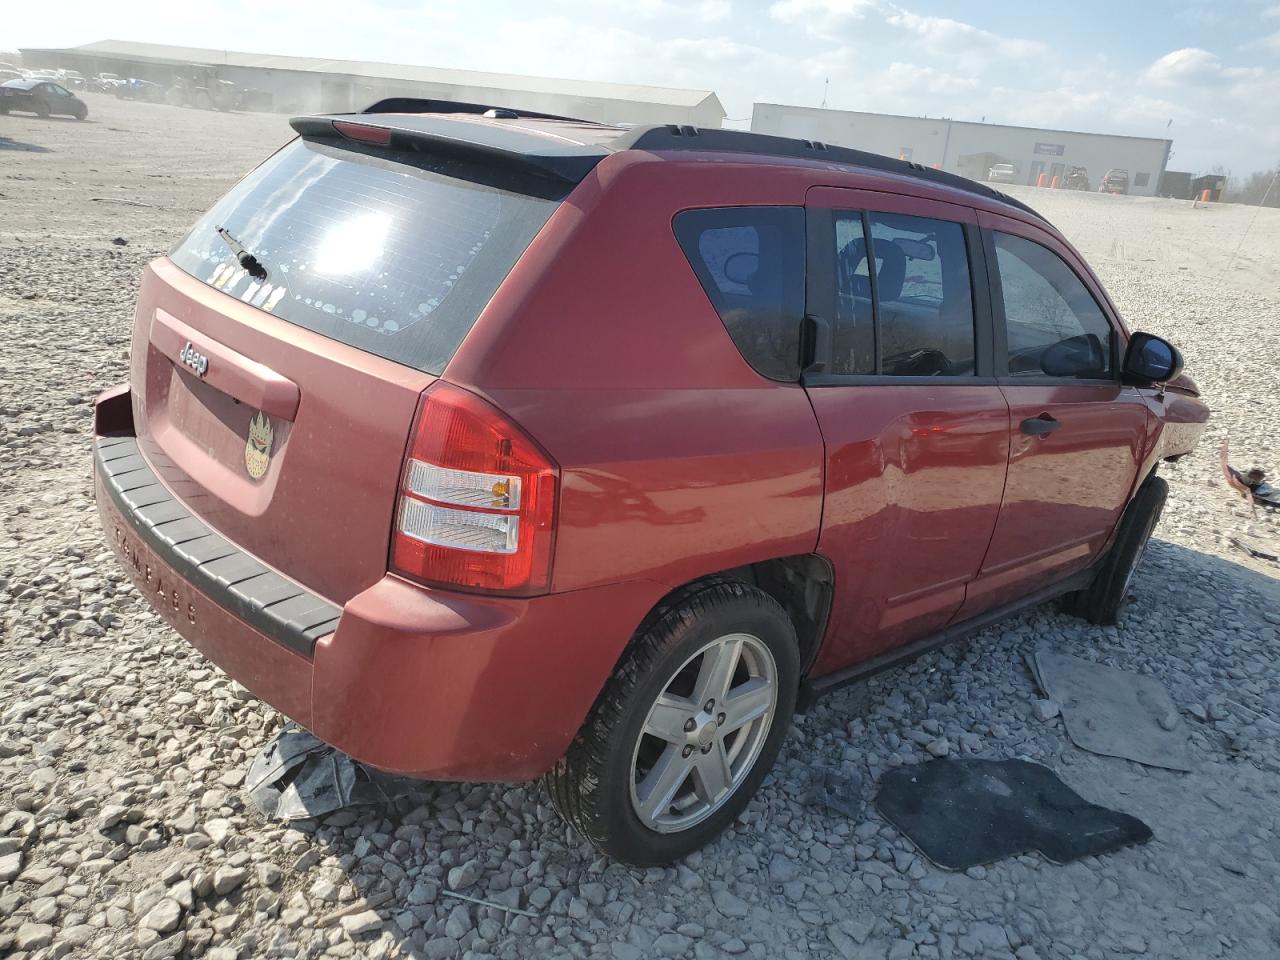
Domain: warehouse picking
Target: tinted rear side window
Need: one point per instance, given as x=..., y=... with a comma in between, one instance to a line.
x=924, y=300
x=750, y=261
x=388, y=251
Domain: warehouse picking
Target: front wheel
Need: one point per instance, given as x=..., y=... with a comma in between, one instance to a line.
x=686, y=728
x=1102, y=600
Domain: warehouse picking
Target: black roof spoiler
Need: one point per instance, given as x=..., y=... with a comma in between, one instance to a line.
x=418, y=105
x=560, y=160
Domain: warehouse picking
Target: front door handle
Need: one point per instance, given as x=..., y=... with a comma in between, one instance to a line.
x=1040, y=426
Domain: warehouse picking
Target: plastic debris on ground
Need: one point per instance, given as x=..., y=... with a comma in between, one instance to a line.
x=836, y=793
x=963, y=813
x=1113, y=712
x=297, y=776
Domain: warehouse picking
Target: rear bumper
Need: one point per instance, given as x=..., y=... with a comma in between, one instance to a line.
x=422, y=682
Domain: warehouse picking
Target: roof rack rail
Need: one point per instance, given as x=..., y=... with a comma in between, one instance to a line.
x=715, y=139
x=419, y=105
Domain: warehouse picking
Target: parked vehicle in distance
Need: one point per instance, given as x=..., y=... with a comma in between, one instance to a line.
x=1077, y=178
x=1002, y=173
x=516, y=510
x=1114, y=180
x=41, y=97
x=202, y=89
x=135, y=89
x=6, y=75
x=105, y=82
x=73, y=79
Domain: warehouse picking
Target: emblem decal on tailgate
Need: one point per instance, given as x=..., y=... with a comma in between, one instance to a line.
x=257, y=449
x=194, y=359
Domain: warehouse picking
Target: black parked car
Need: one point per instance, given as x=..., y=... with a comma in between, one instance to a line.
x=42, y=97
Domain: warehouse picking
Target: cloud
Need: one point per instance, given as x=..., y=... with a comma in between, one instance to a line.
x=822, y=17
x=942, y=35
x=876, y=21
x=667, y=11
x=1190, y=65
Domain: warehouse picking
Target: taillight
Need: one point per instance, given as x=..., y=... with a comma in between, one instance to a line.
x=477, y=499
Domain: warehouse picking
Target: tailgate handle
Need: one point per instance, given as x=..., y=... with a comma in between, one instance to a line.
x=1040, y=426
x=199, y=355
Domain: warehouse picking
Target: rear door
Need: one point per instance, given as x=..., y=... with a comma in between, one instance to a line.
x=916, y=429
x=1076, y=434
x=275, y=394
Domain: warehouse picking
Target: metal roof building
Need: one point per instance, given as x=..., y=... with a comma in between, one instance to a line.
x=971, y=149
x=306, y=84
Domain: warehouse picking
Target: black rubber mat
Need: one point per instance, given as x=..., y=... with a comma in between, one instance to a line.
x=962, y=813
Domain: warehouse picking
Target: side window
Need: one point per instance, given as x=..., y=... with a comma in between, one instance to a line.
x=750, y=262
x=60, y=91
x=1055, y=328
x=924, y=300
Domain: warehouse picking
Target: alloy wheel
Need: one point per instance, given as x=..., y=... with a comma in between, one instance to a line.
x=704, y=732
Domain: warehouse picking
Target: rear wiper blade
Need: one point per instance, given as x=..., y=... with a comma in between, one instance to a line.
x=252, y=265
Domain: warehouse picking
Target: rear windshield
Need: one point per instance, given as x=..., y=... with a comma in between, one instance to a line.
x=392, y=252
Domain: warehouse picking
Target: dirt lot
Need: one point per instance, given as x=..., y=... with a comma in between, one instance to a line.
x=122, y=829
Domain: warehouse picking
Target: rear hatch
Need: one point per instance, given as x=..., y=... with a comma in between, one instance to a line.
x=281, y=350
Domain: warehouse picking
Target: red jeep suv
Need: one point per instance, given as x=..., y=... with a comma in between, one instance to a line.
x=492, y=446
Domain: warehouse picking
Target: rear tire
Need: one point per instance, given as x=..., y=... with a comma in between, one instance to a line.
x=646, y=797
x=1102, y=600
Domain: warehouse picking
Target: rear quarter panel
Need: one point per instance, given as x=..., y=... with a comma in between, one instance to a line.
x=677, y=458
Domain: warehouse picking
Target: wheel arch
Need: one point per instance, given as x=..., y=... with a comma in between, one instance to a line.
x=803, y=584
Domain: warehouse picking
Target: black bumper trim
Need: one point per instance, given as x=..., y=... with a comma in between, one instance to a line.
x=277, y=607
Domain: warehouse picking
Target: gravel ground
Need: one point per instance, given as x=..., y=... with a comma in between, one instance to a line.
x=123, y=832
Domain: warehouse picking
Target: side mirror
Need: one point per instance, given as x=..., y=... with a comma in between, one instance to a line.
x=1079, y=356
x=1151, y=359
x=741, y=268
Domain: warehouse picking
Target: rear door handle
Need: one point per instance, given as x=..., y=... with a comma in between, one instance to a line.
x=1040, y=426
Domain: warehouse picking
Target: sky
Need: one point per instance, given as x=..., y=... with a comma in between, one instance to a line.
x=1206, y=75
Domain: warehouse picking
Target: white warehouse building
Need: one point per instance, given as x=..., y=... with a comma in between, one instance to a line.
x=971, y=149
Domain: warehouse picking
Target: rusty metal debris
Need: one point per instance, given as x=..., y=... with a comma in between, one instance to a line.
x=488, y=903
x=297, y=776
